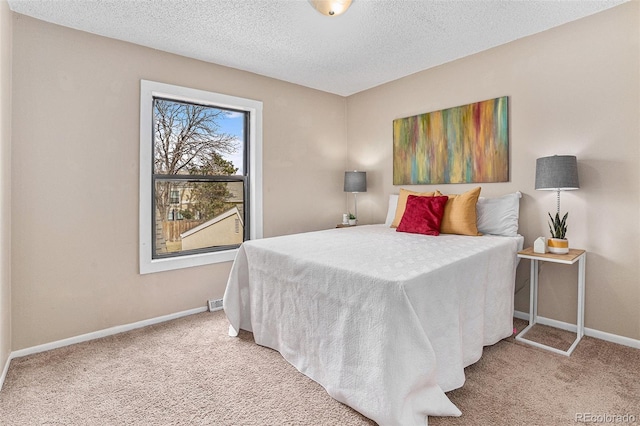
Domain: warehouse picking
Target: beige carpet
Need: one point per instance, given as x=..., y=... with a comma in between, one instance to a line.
x=189, y=372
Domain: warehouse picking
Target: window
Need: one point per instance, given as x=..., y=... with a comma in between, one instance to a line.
x=198, y=168
x=200, y=192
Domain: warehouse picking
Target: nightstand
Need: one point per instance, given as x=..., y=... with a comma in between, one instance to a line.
x=572, y=257
x=342, y=225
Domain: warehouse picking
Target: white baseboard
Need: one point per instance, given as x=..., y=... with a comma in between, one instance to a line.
x=94, y=335
x=602, y=335
x=614, y=338
x=4, y=371
x=103, y=333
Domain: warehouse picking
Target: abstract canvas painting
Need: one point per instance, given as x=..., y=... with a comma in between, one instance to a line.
x=463, y=144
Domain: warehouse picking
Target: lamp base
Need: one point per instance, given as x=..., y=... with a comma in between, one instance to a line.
x=558, y=245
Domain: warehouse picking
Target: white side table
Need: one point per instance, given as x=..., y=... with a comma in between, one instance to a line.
x=572, y=257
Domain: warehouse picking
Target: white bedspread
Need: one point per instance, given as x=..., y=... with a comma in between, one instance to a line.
x=384, y=321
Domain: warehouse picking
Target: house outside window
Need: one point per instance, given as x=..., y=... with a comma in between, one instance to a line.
x=175, y=196
x=199, y=176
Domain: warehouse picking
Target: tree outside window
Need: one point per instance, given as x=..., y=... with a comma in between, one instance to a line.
x=199, y=177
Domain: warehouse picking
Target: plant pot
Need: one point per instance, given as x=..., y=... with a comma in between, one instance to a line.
x=352, y=222
x=558, y=245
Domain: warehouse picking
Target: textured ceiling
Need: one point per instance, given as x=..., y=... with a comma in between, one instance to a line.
x=374, y=42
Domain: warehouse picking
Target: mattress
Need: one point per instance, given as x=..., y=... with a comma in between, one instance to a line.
x=384, y=321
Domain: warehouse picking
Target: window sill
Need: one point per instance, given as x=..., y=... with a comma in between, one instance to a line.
x=159, y=265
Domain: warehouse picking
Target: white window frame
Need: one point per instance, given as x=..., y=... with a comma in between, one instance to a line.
x=151, y=89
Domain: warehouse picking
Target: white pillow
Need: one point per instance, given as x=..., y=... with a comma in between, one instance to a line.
x=391, y=212
x=499, y=216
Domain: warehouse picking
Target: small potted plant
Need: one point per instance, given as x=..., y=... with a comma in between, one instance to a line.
x=352, y=219
x=558, y=244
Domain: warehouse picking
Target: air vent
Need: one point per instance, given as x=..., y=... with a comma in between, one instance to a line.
x=215, y=305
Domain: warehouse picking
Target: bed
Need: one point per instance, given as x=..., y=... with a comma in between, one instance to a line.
x=385, y=321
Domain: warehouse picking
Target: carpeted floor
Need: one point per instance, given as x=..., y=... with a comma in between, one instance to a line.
x=189, y=372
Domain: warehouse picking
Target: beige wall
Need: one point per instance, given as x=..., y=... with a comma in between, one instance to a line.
x=75, y=177
x=5, y=182
x=74, y=169
x=572, y=90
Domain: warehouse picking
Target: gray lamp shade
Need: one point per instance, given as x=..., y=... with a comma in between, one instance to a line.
x=557, y=173
x=355, y=181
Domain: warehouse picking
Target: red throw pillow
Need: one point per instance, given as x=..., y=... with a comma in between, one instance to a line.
x=423, y=215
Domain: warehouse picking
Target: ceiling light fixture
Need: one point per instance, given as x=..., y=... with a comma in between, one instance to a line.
x=331, y=7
